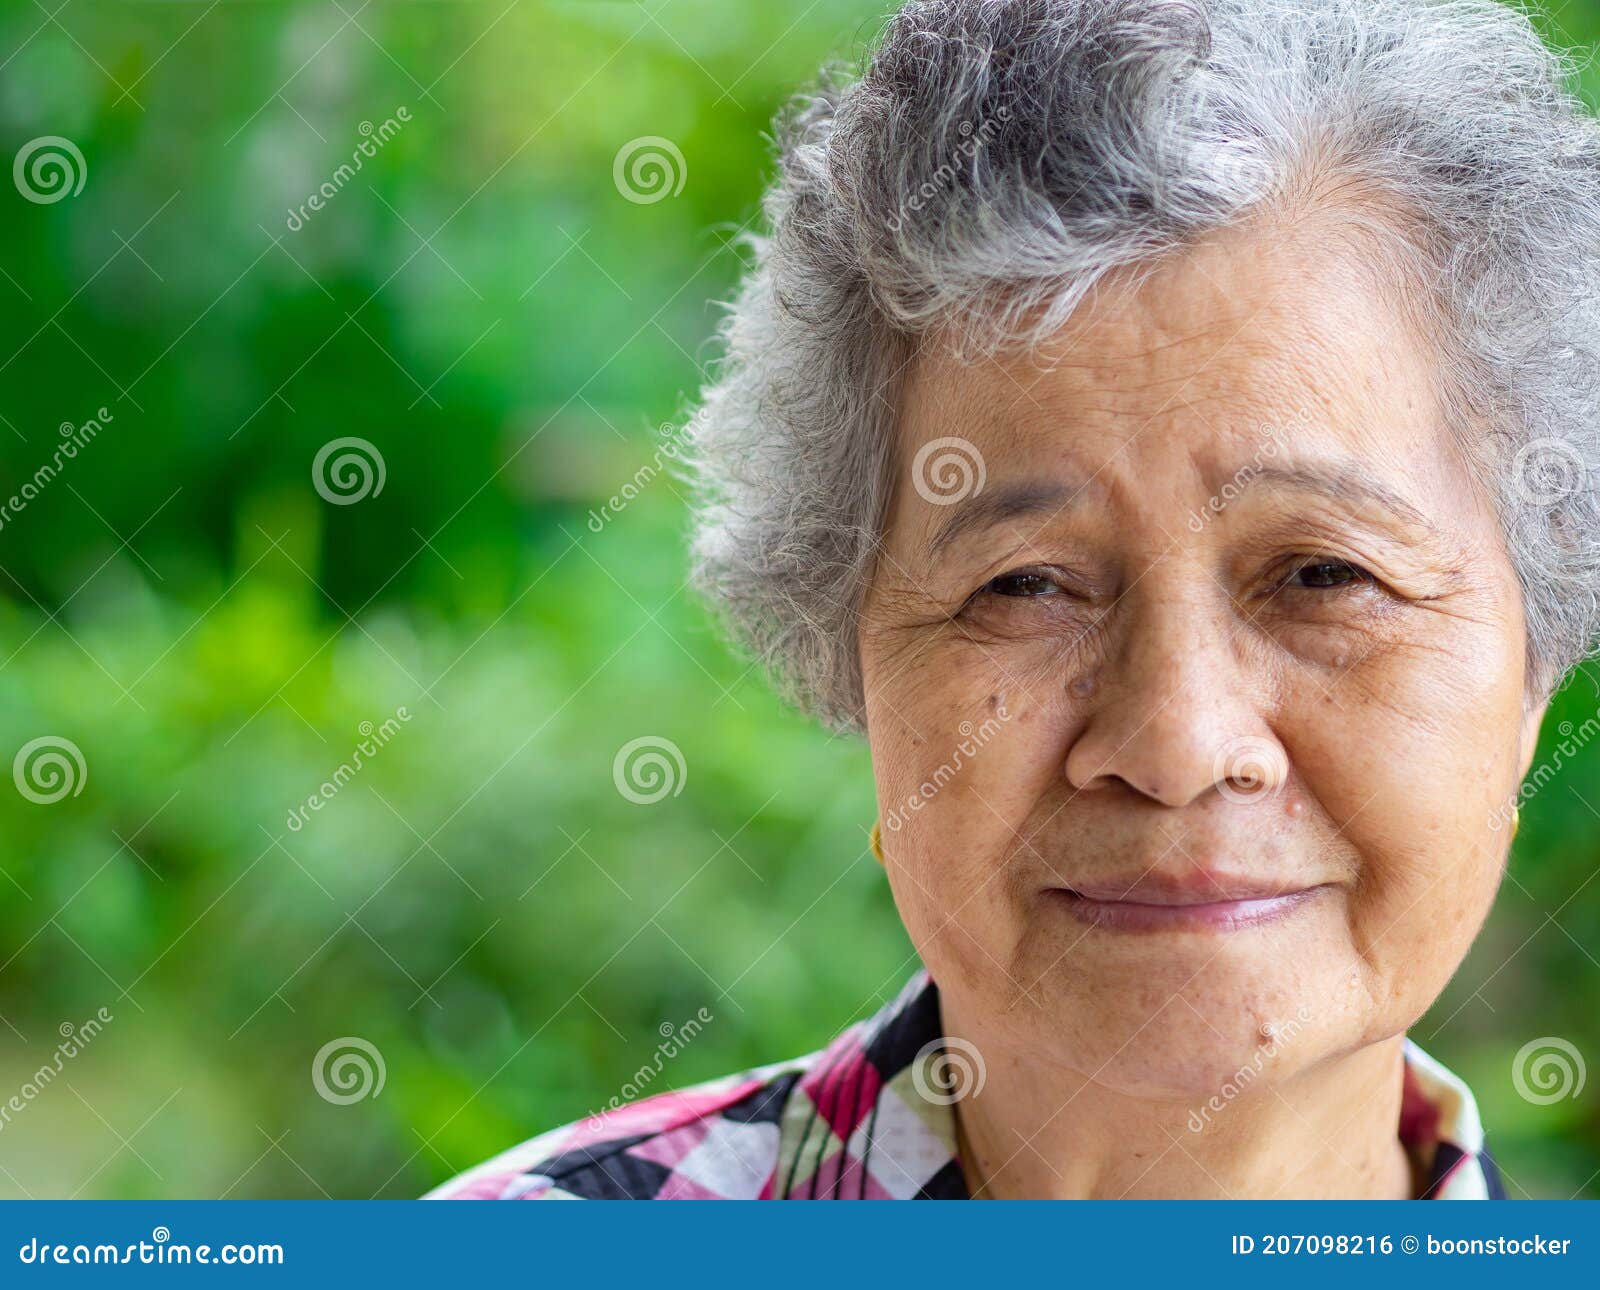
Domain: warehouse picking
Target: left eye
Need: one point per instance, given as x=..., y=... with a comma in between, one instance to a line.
x=1321, y=574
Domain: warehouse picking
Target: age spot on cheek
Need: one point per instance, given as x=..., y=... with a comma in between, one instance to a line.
x=1083, y=687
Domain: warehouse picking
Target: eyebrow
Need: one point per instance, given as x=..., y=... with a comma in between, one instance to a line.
x=997, y=505
x=1346, y=483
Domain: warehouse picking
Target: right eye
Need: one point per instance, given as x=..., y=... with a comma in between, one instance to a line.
x=1023, y=585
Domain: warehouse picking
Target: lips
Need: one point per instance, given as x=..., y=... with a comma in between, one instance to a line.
x=1193, y=887
x=1189, y=902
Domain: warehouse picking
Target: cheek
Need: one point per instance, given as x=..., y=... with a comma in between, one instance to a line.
x=962, y=754
x=1408, y=757
x=966, y=751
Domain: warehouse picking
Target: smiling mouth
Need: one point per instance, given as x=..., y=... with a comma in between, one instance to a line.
x=1146, y=908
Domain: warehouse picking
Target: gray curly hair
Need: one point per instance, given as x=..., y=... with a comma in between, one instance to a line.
x=996, y=158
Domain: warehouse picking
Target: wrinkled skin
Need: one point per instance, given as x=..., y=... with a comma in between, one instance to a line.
x=1235, y=612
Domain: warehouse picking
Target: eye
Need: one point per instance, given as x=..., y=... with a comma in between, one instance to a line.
x=1025, y=584
x=1324, y=574
x=1040, y=598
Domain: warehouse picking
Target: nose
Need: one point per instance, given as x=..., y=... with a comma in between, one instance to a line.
x=1177, y=711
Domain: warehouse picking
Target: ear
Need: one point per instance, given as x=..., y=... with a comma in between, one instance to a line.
x=1532, y=719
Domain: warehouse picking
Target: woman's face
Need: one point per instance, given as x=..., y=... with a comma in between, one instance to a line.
x=1195, y=677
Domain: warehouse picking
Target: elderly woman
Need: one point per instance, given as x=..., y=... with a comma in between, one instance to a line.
x=1161, y=427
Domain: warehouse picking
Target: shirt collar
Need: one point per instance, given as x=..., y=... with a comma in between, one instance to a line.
x=874, y=1115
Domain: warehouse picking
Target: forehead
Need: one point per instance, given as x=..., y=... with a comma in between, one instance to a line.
x=1289, y=333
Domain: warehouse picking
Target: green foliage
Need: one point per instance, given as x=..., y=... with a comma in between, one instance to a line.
x=481, y=303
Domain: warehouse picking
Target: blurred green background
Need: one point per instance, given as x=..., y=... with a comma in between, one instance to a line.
x=484, y=304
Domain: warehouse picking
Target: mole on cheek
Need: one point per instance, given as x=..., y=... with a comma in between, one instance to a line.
x=1082, y=687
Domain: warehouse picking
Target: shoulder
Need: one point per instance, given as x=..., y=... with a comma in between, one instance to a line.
x=718, y=1140
x=867, y=1116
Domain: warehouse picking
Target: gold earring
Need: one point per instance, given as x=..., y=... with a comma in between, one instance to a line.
x=1516, y=820
x=877, y=840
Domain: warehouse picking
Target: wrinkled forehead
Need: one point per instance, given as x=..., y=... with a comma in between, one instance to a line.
x=1288, y=346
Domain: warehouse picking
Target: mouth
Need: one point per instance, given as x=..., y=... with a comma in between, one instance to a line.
x=1149, y=905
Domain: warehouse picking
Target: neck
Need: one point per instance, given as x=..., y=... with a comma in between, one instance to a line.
x=1045, y=1132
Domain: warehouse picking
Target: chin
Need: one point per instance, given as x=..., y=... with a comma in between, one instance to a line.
x=1181, y=1057
x=1182, y=1021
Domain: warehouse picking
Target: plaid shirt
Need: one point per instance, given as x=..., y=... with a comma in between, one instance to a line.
x=867, y=1118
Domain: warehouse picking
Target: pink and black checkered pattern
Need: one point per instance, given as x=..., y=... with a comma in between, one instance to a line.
x=862, y=1120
